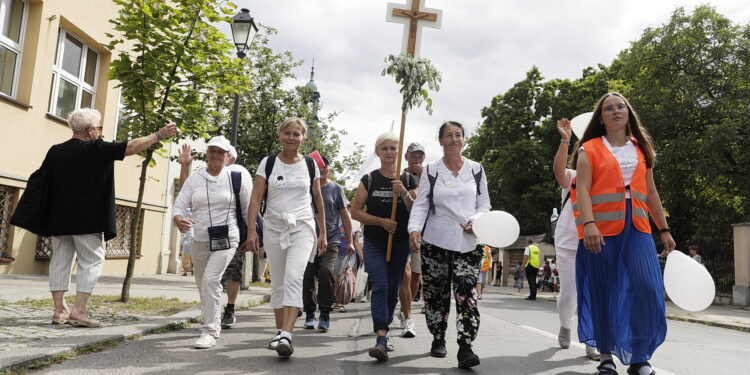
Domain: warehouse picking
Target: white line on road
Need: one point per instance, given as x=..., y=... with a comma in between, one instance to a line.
x=579, y=345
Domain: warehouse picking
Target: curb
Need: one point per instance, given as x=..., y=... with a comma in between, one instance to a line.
x=113, y=335
x=675, y=317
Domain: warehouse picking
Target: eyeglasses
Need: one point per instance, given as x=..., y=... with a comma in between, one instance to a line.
x=99, y=128
x=611, y=108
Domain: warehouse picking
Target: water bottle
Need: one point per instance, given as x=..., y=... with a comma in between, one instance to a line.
x=189, y=236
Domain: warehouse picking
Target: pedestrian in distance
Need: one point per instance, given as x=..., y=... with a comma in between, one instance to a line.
x=372, y=207
x=290, y=182
x=320, y=271
x=210, y=199
x=80, y=208
x=414, y=156
x=518, y=277
x=531, y=267
x=453, y=194
x=566, y=243
x=621, y=307
x=693, y=250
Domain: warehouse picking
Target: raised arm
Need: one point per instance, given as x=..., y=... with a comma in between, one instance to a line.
x=139, y=144
x=561, y=157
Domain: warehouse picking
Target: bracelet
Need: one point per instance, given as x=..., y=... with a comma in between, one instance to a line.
x=158, y=136
x=665, y=230
x=589, y=222
x=563, y=140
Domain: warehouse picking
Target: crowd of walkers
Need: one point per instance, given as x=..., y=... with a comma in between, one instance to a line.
x=606, y=260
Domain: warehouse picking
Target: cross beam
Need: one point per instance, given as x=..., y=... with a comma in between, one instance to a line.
x=414, y=17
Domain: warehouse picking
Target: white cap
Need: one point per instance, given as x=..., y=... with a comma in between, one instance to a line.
x=219, y=141
x=233, y=151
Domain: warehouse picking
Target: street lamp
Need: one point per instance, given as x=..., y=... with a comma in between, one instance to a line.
x=243, y=33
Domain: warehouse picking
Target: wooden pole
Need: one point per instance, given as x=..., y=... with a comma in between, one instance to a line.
x=398, y=176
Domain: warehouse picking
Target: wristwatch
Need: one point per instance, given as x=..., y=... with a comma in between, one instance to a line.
x=665, y=230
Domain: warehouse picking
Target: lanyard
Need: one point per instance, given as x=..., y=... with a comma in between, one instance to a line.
x=231, y=199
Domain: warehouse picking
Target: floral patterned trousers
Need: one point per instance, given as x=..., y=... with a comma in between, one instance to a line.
x=445, y=270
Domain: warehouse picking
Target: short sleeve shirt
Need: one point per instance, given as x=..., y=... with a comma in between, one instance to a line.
x=82, y=186
x=379, y=202
x=288, y=186
x=334, y=202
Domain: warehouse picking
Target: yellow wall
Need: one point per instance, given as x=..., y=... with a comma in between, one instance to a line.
x=27, y=134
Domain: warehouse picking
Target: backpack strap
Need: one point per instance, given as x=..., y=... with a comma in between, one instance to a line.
x=236, y=186
x=368, y=183
x=433, y=181
x=270, y=161
x=478, y=178
x=311, y=171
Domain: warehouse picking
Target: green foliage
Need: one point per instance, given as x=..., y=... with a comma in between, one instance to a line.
x=412, y=74
x=689, y=82
x=172, y=64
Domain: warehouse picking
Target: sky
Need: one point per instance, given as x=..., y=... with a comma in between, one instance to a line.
x=482, y=49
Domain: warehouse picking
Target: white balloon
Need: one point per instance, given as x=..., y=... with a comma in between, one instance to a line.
x=688, y=283
x=496, y=228
x=579, y=123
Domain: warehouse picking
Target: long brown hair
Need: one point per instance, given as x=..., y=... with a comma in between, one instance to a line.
x=596, y=129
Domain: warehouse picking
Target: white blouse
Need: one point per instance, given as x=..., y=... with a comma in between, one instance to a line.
x=221, y=196
x=456, y=202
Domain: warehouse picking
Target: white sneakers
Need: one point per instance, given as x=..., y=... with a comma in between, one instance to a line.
x=563, y=338
x=205, y=341
x=409, y=328
x=592, y=353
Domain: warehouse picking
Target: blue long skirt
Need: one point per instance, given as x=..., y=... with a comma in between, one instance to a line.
x=620, y=295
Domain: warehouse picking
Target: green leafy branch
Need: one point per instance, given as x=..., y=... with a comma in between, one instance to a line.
x=412, y=74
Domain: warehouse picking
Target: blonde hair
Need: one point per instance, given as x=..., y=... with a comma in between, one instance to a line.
x=385, y=137
x=293, y=121
x=83, y=118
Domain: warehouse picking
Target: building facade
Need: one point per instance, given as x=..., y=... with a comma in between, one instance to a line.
x=52, y=61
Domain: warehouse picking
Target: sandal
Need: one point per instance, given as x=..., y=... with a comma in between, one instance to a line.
x=603, y=370
x=86, y=321
x=274, y=343
x=62, y=318
x=635, y=368
x=342, y=309
x=284, y=348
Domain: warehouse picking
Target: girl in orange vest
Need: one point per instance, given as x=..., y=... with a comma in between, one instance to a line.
x=620, y=300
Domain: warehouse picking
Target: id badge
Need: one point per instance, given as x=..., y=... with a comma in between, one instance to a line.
x=218, y=237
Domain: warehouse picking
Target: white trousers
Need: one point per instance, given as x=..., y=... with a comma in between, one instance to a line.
x=567, y=300
x=208, y=267
x=288, y=265
x=88, y=250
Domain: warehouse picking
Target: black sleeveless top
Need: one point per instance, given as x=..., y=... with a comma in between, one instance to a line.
x=379, y=201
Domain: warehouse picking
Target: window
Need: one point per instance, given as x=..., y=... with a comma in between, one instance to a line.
x=74, y=75
x=12, y=18
x=7, y=201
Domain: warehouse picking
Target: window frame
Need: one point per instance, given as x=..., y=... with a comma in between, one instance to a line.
x=58, y=73
x=17, y=48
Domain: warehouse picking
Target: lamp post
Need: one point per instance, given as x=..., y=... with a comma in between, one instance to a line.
x=243, y=33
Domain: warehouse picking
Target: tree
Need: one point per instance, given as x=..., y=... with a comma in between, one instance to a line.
x=172, y=64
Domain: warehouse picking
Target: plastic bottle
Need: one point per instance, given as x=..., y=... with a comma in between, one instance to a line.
x=189, y=235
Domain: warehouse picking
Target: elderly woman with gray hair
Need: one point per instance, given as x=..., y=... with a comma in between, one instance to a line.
x=80, y=178
x=372, y=207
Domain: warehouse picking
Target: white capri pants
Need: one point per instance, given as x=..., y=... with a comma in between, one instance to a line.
x=87, y=248
x=288, y=265
x=567, y=300
x=208, y=267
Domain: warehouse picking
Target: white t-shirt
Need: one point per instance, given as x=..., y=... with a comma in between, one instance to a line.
x=627, y=157
x=566, y=235
x=288, y=187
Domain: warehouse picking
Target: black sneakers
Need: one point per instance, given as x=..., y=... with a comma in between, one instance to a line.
x=438, y=349
x=228, y=319
x=466, y=357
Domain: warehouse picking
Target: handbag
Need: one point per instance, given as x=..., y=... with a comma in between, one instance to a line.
x=346, y=286
x=32, y=210
x=218, y=236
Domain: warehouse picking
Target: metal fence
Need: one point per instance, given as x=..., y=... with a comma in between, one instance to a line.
x=719, y=260
x=7, y=201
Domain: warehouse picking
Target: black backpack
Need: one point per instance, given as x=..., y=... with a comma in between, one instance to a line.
x=433, y=180
x=271, y=160
x=236, y=186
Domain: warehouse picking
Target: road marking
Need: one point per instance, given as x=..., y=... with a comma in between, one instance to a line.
x=579, y=345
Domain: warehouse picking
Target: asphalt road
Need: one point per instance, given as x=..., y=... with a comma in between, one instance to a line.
x=516, y=337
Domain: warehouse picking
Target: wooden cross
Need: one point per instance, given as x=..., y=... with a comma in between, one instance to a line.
x=414, y=17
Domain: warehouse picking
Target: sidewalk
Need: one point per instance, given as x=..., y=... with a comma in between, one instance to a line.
x=27, y=335
x=725, y=316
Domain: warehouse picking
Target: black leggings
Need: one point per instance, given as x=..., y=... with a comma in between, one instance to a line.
x=531, y=273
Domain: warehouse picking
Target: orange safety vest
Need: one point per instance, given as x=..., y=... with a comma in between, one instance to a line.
x=486, y=263
x=608, y=192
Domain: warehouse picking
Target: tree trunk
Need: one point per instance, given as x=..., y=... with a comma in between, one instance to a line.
x=125, y=294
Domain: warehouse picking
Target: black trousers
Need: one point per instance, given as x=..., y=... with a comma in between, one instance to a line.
x=531, y=273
